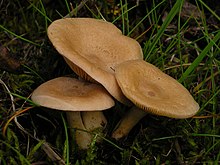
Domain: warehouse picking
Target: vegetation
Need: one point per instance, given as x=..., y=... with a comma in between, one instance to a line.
x=182, y=39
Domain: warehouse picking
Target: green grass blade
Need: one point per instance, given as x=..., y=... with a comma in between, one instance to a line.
x=204, y=135
x=42, y=13
x=145, y=17
x=122, y=17
x=34, y=72
x=200, y=57
x=66, y=141
x=67, y=5
x=167, y=21
x=19, y=36
x=210, y=10
x=125, y=12
x=22, y=157
x=25, y=99
x=33, y=151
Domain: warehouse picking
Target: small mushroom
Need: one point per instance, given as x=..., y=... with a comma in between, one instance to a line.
x=151, y=91
x=92, y=48
x=82, y=101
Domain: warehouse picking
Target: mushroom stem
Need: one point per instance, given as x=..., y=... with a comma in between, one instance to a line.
x=128, y=121
x=88, y=121
x=82, y=138
x=94, y=120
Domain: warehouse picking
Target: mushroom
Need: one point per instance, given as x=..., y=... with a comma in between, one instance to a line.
x=151, y=91
x=82, y=101
x=92, y=48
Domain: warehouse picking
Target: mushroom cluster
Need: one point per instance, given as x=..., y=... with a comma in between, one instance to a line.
x=109, y=65
x=92, y=48
x=81, y=102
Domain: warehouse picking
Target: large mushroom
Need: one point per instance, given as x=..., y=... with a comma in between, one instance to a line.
x=93, y=48
x=82, y=101
x=152, y=91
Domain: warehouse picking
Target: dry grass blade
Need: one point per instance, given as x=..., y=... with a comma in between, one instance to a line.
x=45, y=146
x=12, y=98
x=14, y=117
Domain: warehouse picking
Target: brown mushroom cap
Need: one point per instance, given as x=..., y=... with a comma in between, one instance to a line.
x=154, y=91
x=70, y=94
x=96, y=47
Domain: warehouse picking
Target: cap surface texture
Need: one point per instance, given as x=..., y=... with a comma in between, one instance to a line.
x=154, y=91
x=70, y=94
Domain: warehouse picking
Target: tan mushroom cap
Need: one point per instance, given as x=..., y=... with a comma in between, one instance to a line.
x=95, y=47
x=154, y=91
x=70, y=94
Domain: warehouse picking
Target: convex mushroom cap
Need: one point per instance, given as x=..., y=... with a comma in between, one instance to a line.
x=70, y=94
x=93, y=48
x=82, y=101
x=154, y=91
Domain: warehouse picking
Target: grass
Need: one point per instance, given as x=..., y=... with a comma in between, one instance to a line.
x=185, y=47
